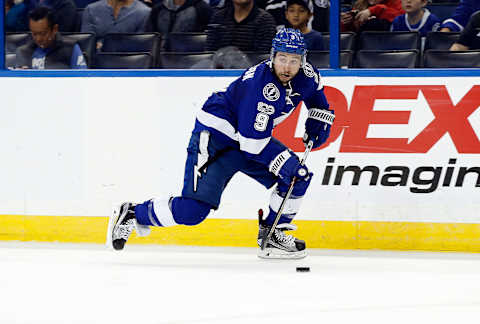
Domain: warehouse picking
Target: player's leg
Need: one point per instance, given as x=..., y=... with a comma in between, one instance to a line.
x=201, y=192
x=280, y=245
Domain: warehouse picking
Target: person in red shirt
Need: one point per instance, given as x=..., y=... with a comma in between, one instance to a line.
x=371, y=15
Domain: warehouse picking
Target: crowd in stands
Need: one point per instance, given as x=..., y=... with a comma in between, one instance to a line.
x=233, y=33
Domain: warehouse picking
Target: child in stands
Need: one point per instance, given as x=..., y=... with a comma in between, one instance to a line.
x=416, y=18
x=298, y=15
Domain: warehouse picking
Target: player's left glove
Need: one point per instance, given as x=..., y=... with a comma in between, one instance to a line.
x=317, y=126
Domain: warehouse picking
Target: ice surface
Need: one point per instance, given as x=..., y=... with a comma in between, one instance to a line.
x=67, y=283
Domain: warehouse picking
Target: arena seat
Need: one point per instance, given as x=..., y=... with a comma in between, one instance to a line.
x=14, y=40
x=123, y=61
x=10, y=60
x=386, y=59
x=133, y=43
x=321, y=59
x=451, y=59
x=257, y=57
x=388, y=41
x=86, y=41
x=347, y=41
x=186, y=42
x=440, y=40
x=182, y=60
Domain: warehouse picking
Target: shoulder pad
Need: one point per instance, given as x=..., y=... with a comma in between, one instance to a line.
x=311, y=72
x=250, y=72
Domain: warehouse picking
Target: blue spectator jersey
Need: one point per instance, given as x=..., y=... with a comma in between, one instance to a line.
x=428, y=23
x=77, y=61
x=245, y=114
x=461, y=15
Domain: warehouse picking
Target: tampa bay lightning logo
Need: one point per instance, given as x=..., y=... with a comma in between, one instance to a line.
x=308, y=70
x=271, y=92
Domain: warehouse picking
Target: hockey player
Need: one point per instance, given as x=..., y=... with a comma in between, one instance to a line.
x=233, y=133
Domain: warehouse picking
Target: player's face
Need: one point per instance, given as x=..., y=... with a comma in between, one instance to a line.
x=286, y=66
x=297, y=15
x=43, y=35
x=413, y=5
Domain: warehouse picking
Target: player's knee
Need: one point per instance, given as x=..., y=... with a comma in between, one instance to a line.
x=187, y=211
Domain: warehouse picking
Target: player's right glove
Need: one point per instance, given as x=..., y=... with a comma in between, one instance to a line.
x=317, y=126
x=286, y=165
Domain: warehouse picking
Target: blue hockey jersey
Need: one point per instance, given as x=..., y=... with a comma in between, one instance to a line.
x=245, y=114
x=461, y=15
x=428, y=23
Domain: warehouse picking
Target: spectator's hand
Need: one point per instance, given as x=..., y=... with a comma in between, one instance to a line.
x=363, y=16
x=459, y=47
x=445, y=30
x=346, y=18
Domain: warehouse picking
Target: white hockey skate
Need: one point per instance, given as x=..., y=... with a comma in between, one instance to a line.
x=280, y=245
x=121, y=224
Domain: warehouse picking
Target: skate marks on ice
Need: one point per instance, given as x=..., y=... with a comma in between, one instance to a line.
x=68, y=283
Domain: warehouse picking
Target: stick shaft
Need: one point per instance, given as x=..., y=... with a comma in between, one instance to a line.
x=284, y=201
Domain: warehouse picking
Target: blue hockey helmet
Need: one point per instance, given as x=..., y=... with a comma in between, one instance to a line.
x=289, y=40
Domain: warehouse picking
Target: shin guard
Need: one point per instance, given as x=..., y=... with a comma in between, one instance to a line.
x=292, y=206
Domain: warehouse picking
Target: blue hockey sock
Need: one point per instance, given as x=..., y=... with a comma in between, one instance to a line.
x=180, y=210
x=283, y=219
x=145, y=214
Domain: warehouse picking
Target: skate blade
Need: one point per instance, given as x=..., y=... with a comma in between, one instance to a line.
x=269, y=253
x=113, y=219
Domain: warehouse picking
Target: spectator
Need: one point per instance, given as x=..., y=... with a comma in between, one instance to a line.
x=460, y=17
x=470, y=36
x=179, y=16
x=64, y=12
x=347, y=19
x=216, y=4
x=276, y=8
x=15, y=16
x=241, y=24
x=371, y=15
x=114, y=16
x=417, y=18
x=298, y=14
x=48, y=50
x=321, y=15
x=83, y=3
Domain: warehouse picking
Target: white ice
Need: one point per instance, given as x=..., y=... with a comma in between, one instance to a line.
x=67, y=283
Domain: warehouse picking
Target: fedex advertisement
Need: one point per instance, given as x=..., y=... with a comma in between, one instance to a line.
x=400, y=149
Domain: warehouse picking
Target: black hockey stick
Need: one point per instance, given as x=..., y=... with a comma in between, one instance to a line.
x=267, y=237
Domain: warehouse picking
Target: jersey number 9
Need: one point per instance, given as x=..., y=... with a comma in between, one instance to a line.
x=261, y=122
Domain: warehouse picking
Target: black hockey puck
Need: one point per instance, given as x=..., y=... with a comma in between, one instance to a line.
x=303, y=269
